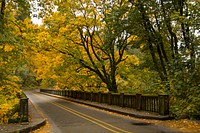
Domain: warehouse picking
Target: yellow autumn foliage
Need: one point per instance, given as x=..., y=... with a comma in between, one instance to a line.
x=6, y=112
x=8, y=48
x=132, y=38
x=9, y=92
x=132, y=60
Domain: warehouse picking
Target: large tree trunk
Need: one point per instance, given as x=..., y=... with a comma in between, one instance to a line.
x=112, y=86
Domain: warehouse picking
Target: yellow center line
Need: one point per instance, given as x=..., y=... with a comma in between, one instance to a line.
x=96, y=119
x=84, y=117
x=65, y=108
x=87, y=117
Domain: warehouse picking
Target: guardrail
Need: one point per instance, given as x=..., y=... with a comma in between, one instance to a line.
x=24, y=110
x=158, y=103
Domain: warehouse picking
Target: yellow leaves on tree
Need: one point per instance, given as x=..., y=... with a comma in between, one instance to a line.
x=81, y=32
x=9, y=93
x=8, y=48
x=132, y=38
x=130, y=61
x=45, y=65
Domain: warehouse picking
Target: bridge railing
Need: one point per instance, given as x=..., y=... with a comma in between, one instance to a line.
x=151, y=103
x=24, y=110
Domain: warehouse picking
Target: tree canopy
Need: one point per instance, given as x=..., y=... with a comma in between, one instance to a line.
x=130, y=46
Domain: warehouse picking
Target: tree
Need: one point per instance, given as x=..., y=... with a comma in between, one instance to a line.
x=10, y=57
x=93, y=34
x=169, y=31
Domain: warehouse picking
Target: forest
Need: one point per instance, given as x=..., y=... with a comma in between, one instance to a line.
x=129, y=46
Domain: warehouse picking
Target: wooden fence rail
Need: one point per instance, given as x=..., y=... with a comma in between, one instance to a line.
x=158, y=104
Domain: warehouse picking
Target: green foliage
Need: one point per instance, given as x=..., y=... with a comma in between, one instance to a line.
x=140, y=81
x=11, y=56
x=27, y=77
x=185, y=90
x=170, y=45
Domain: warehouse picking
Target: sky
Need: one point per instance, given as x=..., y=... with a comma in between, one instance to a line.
x=35, y=10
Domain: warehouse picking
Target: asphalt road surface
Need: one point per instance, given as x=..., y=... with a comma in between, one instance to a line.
x=69, y=117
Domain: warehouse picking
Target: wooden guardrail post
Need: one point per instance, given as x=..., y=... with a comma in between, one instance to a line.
x=75, y=94
x=24, y=109
x=163, y=104
x=109, y=98
x=138, y=101
x=69, y=93
x=91, y=97
x=72, y=94
x=78, y=95
x=65, y=93
x=121, y=100
x=99, y=100
x=84, y=95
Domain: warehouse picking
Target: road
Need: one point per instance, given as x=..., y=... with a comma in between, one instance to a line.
x=69, y=117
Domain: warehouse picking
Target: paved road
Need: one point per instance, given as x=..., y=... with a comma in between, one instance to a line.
x=68, y=117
